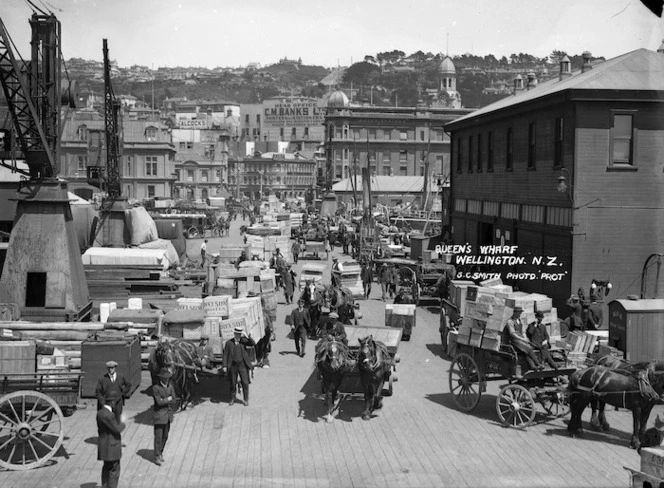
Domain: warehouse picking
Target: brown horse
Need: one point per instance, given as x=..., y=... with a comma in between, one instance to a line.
x=375, y=365
x=340, y=300
x=637, y=388
x=332, y=360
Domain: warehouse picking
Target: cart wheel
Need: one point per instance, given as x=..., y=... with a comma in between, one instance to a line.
x=515, y=406
x=192, y=232
x=31, y=430
x=416, y=294
x=555, y=404
x=464, y=382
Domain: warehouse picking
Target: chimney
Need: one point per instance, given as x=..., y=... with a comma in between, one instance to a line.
x=586, y=62
x=518, y=84
x=565, y=68
x=532, y=80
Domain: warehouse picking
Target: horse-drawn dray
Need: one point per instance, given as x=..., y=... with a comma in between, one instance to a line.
x=348, y=274
x=32, y=411
x=311, y=272
x=363, y=368
x=473, y=367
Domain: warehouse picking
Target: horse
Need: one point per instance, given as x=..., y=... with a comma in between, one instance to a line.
x=332, y=361
x=264, y=345
x=375, y=366
x=638, y=387
x=314, y=303
x=340, y=300
x=181, y=358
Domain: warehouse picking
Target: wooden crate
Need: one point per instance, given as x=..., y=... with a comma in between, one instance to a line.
x=18, y=356
x=94, y=355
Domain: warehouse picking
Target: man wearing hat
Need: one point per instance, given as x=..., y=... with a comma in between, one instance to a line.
x=539, y=338
x=595, y=315
x=205, y=352
x=514, y=330
x=573, y=321
x=367, y=279
x=238, y=363
x=163, y=395
x=335, y=328
x=300, y=324
x=112, y=381
x=109, y=445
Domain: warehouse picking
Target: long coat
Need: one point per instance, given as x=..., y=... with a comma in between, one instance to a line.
x=109, y=447
x=162, y=408
x=104, y=385
x=243, y=344
x=287, y=279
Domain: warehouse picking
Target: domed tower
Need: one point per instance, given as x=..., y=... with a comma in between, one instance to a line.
x=338, y=101
x=448, y=95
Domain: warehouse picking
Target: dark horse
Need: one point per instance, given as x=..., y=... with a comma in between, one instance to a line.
x=375, y=365
x=340, y=299
x=264, y=344
x=637, y=387
x=181, y=358
x=332, y=360
x=314, y=303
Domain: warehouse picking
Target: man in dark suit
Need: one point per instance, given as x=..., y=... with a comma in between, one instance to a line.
x=300, y=324
x=109, y=447
x=238, y=363
x=112, y=381
x=163, y=395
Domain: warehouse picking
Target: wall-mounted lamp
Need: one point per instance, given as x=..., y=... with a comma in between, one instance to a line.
x=599, y=287
x=562, y=181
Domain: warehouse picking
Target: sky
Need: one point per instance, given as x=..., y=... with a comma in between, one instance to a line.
x=211, y=33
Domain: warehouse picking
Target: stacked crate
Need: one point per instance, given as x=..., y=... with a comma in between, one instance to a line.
x=17, y=356
x=126, y=351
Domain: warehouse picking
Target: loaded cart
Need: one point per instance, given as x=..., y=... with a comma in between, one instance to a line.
x=32, y=407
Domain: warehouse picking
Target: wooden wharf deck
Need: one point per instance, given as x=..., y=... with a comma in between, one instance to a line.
x=419, y=438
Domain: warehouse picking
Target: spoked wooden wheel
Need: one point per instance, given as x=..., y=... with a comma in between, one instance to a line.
x=31, y=430
x=555, y=404
x=465, y=382
x=515, y=406
x=192, y=232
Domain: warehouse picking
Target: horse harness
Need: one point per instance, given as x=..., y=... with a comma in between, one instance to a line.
x=645, y=388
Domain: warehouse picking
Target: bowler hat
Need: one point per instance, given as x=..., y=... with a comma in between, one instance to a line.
x=111, y=364
x=334, y=315
x=165, y=373
x=539, y=315
x=518, y=309
x=238, y=330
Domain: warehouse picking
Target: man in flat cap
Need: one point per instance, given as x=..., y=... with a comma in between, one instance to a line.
x=335, y=328
x=515, y=334
x=539, y=338
x=109, y=445
x=238, y=363
x=163, y=395
x=112, y=381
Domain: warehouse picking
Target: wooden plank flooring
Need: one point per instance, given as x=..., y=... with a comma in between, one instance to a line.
x=419, y=438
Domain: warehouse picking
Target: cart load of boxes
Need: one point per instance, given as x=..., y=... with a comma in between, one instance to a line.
x=486, y=308
x=215, y=317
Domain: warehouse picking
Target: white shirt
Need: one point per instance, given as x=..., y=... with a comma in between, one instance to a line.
x=203, y=246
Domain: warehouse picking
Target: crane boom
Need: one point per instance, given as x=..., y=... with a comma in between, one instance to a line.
x=112, y=108
x=34, y=100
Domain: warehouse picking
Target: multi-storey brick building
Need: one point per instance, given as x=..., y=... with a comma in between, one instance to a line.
x=570, y=168
x=147, y=166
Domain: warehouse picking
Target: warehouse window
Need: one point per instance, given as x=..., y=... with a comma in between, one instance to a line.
x=470, y=154
x=458, y=155
x=508, y=149
x=532, y=140
x=558, y=143
x=622, y=139
x=489, y=152
x=478, y=156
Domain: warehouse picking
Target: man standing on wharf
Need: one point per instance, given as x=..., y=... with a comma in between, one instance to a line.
x=109, y=445
x=237, y=363
x=163, y=395
x=112, y=381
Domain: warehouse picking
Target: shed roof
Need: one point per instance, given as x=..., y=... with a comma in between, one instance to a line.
x=642, y=305
x=386, y=184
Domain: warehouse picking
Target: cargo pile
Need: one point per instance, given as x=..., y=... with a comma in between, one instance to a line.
x=216, y=317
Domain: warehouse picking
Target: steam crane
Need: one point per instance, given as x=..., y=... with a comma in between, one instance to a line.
x=112, y=229
x=43, y=271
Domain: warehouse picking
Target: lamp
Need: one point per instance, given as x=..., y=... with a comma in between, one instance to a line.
x=562, y=181
x=565, y=186
x=598, y=287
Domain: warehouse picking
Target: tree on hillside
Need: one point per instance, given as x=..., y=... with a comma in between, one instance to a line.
x=361, y=73
x=369, y=59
